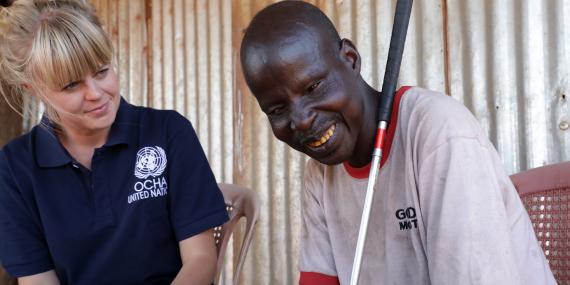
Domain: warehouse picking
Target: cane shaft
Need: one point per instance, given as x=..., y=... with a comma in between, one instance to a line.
x=399, y=31
x=376, y=158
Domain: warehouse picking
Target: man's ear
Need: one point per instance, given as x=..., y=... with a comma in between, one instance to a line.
x=350, y=55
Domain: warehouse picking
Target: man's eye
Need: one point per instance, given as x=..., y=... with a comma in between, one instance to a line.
x=275, y=111
x=313, y=87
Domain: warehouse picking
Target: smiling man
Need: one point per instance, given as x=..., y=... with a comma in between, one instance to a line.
x=445, y=212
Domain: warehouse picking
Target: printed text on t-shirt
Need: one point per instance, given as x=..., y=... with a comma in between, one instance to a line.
x=407, y=218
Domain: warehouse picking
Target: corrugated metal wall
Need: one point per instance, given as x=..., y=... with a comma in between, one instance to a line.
x=507, y=60
x=177, y=54
x=509, y=63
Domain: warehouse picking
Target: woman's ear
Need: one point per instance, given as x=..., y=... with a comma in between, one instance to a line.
x=29, y=89
x=350, y=55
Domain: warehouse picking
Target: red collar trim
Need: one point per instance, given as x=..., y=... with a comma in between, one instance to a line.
x=315, y=278
x=357, y=172
x=362, y=172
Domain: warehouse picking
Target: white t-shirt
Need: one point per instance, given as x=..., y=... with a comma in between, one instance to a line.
x=444, y=210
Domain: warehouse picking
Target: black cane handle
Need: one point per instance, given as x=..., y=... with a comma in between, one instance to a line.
x=399, y=31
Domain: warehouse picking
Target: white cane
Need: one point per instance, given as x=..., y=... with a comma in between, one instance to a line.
x=399, y=30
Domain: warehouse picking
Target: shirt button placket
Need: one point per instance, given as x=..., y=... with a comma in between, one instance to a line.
x=103, y=211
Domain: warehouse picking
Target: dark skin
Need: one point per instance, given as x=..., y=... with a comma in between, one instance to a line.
x=309, y=85
x=6, y=3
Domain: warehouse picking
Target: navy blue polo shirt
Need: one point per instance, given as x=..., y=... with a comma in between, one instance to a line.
x=149, y=187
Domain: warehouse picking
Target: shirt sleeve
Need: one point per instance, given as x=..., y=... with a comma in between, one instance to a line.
x=197, y=203
x=316, y=261
x=23, y=249
x=463, y=208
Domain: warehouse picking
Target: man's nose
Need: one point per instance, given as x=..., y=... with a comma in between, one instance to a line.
x=92, y=90
x=302, y=119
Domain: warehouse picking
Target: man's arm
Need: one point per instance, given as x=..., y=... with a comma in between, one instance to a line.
x=199, y=259
x=44, y=278
x=316, y=262
x=465, y=216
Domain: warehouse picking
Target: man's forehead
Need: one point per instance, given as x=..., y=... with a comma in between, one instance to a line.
x=293, y=48
x=289, y=66
x=290, y=57
x=298, y=59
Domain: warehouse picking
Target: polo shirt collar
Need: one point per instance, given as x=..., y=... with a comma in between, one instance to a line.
x=51, y=153
x=125, y=125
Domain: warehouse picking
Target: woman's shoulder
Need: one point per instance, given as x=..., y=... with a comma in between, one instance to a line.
x=144, y=111
x=160, y=118
x=20, y=145
x=18, y=153
x=153, y=111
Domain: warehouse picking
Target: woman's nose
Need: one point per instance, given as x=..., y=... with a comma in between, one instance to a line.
x=92, y=90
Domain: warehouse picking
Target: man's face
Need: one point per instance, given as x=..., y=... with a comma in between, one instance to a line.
x=310, y=95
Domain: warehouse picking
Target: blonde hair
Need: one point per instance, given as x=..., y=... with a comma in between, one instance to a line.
x=48, y=44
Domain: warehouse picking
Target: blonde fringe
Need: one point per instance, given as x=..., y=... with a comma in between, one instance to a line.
x=48, y=44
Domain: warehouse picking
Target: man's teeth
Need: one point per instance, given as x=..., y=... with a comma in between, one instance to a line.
x=328, y=134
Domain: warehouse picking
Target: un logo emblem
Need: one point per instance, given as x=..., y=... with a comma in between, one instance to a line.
x=151, y=161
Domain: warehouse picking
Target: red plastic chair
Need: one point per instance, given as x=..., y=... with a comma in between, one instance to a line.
x=545, y=192
x=241, y=202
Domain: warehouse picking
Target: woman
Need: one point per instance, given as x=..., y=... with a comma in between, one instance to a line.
x=100, y=192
